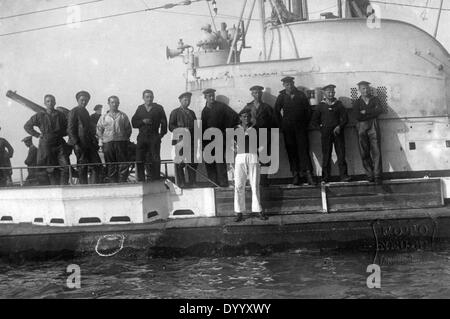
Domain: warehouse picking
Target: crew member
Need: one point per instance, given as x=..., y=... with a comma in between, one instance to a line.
x=183, y=117
x=31, y=161
x=262, y=117
x=82, y=138
x=6, y=153
x=216, y=114
x=114, y=130
x=366, y=110
x=294, y=123
x=52, y=151
x=151, y=121
x=247, y=167
x=96, y=115
x=331, y=117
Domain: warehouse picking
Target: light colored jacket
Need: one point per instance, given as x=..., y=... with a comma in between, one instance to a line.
x=114, y=128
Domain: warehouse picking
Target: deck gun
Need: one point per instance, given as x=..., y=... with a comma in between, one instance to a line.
x=31, y=105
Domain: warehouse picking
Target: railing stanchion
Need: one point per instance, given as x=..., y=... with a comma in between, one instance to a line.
x=70, y=175
x=21, y=177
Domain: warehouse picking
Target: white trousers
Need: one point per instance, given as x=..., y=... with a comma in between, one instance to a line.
x=246, y=167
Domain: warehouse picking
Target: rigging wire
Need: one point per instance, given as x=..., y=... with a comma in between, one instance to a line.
x=166, y=6
x=157, y=9
x=49, y=9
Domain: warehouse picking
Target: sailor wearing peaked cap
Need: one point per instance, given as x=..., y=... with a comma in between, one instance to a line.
x=366, y=110
x=81, y=93
x=208, y=91
x=287, y=79
x=83, y=140
x=257, y=88
x=183, y=117
x=219, y=115
x=331, y=118
x=262, y=118
x=329, y=86
x=292, y=114
x=189, y=94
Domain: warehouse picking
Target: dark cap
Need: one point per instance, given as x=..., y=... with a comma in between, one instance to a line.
x=184, y=94
x=329, y=86
x=363, y=83
x=208, y=91
x=77, y=96
x=287, y=79
x=245, y=111
x=257, y=88
x=27, y=139
x=98, y=107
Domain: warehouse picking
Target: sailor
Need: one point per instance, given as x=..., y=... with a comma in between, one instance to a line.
x=294, y=123
x=96, y=115
x=183, y=117
x=31, y=161
x=262, y=117
x=151, y=121
x=114, y=131
x=247, y=168
x=83, y=139
x=331, y=117
x=6, y=153
x=366, y=111
x=216, y=114
x=52, y=147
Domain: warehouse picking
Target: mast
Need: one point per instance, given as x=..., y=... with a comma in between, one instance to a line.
x=263, y=31
x=438, y=18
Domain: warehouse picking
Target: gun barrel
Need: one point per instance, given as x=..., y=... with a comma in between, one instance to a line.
x=24, y=101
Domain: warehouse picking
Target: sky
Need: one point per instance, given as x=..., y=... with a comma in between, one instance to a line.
x=126, y=54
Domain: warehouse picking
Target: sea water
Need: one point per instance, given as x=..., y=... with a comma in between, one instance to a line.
x=288, y=274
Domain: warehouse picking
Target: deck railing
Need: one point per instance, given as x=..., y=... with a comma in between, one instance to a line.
x=72, y=168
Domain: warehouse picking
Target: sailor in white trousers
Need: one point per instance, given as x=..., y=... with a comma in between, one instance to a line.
x=247, y=167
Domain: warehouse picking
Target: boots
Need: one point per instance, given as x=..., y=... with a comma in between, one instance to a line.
x=262, y=216
x=296, y=179
x=264, y=180
x=309, y=178
x=239, y=217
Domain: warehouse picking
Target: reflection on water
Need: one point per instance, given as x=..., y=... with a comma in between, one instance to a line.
x=292, y=274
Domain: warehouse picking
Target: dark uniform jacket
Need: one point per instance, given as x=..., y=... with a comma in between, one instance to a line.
x=53, y=127
x=31, y=159
x=94, y=120
x=6, y=152
x=296, y=109
x=156, y=115
x=182, y=118
x=220, y=116
x=262, y=116
x=80, y=130
x=330, y=116
x=373, y=109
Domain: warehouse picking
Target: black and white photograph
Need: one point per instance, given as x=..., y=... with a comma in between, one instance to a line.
x=241, y=152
